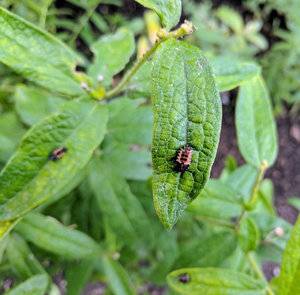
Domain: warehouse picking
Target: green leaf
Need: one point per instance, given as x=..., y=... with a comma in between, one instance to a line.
x=118, y=278
x=295, y=202
x=231, y=18
x=140, y=84
x=5, y=228
x=242, y=180
x=169, y=11
x=36, y=55
x=50, y=235
x=11, y=131
x=249, y=235
x=187, y=111
x=129, y=122
x=78, y=275
x=167, y=247
x=129, y=161
x=256, y=129
x=21, y=258
x=231, y=73
x=217, y=200
x=34, y=104
x=207, y=251
x=123, y=211
x=36, y=285
x=214, y=281
x=111, y=55
x=288, y=280
x=30, y=178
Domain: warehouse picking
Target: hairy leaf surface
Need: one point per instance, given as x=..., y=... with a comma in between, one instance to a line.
x=231, y=73
x=30, y=178
x=256, y=129
x=50, y=235
x=21, y=258
x=123, y=211
x=187, y=111
x=33, y=104
x=111, y=54
x=36, y=55
x=214, y=281
x=288, y=280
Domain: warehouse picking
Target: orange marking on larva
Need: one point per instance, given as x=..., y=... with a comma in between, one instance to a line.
x=58, y=153
x=184, y=158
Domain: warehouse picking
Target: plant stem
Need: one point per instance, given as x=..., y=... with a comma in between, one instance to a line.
x=185, y=29
x=215, y=222
x=259, y=273
x=254, y=195
x=260, y=175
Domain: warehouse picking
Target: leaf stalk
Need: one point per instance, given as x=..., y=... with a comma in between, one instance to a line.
x=185, y=29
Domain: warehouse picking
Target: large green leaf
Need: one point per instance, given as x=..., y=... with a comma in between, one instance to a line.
x=169, y=11
x=36, y=285
x=36, y=55
x=111, y=54
x=214, y=281
x=288, y=280
x=21, y=258
x=231, y=73
x=50, y=235
x=256, y=129
x=33, y=104
x=30, y=178
x=187, y=111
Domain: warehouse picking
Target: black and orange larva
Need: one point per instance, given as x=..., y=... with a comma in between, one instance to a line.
x=58, y=153
x=183, y=158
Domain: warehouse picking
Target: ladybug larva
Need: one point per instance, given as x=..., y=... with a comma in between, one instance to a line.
x=58, y=153
x=183, y=158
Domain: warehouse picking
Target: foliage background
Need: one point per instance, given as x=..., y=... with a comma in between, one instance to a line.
x=263, y=32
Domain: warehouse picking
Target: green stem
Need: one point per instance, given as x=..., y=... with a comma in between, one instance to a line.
x=184, y=29
x=259, y=273
x=254, y=193
x=259, y=178
x=215, y=222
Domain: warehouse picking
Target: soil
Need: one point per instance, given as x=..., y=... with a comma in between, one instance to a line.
x=285, y=173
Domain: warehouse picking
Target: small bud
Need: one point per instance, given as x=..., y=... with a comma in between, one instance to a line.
x=84, y=86
x=188, y=27
x=100, y=78
x=279, y=231
x=115, y=256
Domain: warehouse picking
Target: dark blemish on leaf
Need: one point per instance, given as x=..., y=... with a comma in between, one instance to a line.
x=57, y=154
x=184, y=278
